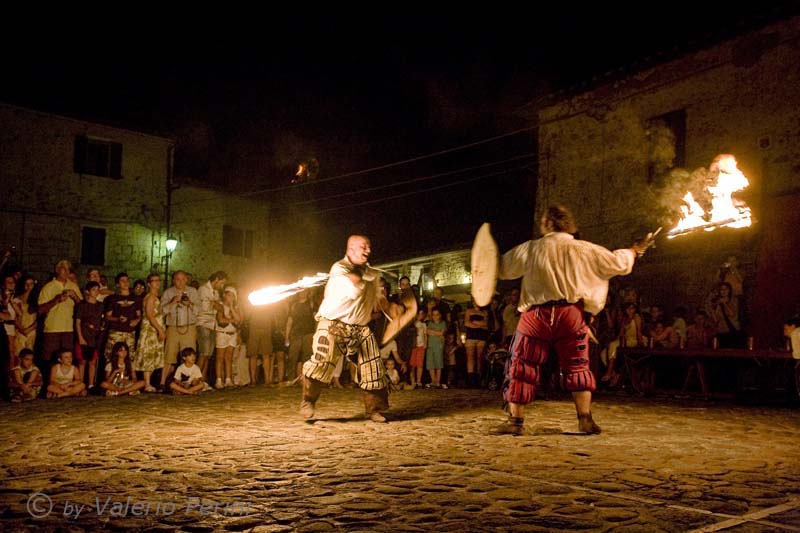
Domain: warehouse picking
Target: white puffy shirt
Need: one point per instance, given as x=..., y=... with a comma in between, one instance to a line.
x=348, y=302
x=207, y=317
x=560, y=267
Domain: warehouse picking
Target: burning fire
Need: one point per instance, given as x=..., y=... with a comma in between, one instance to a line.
x=725, y=211
x=276, y=293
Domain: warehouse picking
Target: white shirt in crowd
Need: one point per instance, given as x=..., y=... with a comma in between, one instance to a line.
x=207, y=317
x=185, y=374
x=422, y=330
x=795, y=338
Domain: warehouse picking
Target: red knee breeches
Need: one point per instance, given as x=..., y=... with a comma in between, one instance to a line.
x=544, y=327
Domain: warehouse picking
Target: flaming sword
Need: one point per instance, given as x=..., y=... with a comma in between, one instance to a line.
x=276, y=293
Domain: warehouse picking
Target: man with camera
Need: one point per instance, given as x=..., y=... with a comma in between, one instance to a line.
x=180, y=304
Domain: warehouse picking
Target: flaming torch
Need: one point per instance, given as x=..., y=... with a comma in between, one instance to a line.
x=276, y=293
x=725, y=211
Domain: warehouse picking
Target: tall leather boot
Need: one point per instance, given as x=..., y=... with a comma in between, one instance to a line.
x=376, y=401
x=311, y=390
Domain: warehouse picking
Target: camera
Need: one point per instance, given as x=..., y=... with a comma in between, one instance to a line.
x=184, y=297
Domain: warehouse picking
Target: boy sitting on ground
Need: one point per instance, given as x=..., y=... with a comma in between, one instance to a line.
x=188, y=379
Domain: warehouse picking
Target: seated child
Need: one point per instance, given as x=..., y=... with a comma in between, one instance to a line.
x=26, y=380
x=120, y=377
x=393, y=374
x=188, y=379
x=65, y=380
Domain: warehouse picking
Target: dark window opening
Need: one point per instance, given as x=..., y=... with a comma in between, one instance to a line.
x=97, y=157
x=237, y=241
x=93, y=246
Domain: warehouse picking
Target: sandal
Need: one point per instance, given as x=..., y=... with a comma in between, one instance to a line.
x=150, y=388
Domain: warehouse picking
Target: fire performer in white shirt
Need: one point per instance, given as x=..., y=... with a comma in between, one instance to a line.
x=562, y=277
x=351, y=295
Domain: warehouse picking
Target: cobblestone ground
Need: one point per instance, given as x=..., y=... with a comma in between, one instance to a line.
x=243, y=460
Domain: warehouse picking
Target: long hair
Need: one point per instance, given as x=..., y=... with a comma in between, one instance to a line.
x=115, y=358
x=33, y=297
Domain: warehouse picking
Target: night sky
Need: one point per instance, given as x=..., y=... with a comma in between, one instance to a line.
x=248, y=100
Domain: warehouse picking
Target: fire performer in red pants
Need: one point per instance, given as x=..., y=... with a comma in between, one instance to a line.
x=562, y=278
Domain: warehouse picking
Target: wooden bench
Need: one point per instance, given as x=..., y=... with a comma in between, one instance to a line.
x=719, y=353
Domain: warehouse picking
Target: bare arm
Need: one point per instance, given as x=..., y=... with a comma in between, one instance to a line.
x=47, y=306
x=150, y=313
x=638, y=320
x=237, y=316
x=289, y=322
x=81, y=339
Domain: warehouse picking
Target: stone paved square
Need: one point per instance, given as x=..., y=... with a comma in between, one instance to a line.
x=243, y=460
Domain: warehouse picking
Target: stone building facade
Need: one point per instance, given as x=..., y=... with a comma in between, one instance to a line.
x=614, y=152
x=97, y=195
x=217, y=230
x=448, y=270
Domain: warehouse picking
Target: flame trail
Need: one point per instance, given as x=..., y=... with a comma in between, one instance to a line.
x=276, y=293
x=725, y=211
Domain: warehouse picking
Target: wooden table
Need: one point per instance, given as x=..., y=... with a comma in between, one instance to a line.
x=719, y=353
x=760, y=375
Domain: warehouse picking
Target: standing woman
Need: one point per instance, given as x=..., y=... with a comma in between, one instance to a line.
x=724, y=311
x=11, y=309
x=26, y=320
x=229, y=319
x=476, y=324
x=150, y=350
x=495, y=321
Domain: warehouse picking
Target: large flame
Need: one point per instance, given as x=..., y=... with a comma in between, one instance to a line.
x=725, y=211
x=276, y=293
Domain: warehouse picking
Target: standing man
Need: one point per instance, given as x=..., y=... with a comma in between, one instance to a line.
x=408, y=335
x=300, y=328
x=791, y=330
x=57, y=301
x=351, y=295
x=562, y=278
x=179, y=304
x=510, y=317
x=207, y=317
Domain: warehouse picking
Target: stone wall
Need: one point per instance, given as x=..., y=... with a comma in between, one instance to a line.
x=741, y=97
x=198, y=217
x=46, y=203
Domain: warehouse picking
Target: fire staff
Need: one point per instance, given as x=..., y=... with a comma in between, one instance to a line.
x=561, y=278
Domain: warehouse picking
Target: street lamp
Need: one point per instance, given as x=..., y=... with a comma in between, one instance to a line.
x=171, y=243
